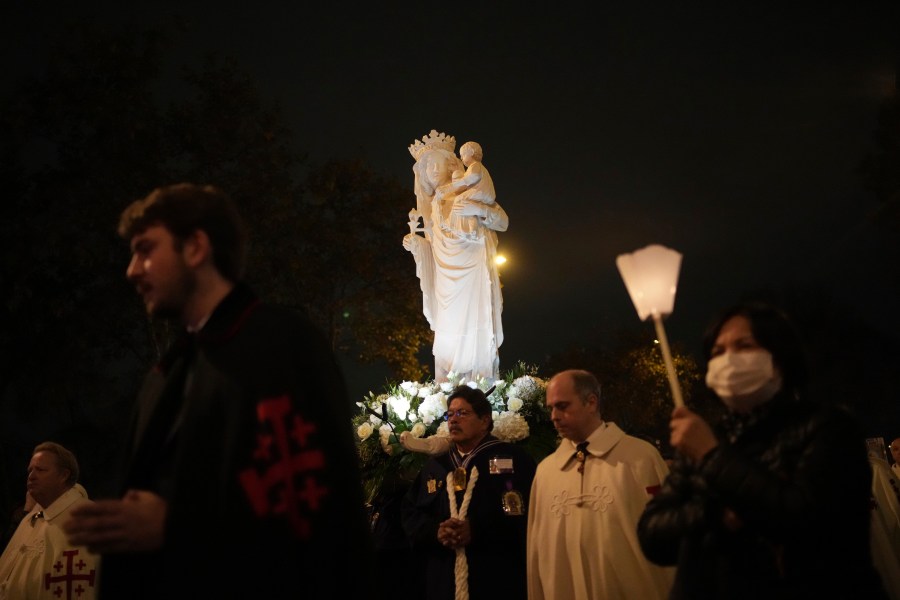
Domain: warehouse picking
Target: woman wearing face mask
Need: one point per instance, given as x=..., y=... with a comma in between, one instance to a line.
x=772, y=502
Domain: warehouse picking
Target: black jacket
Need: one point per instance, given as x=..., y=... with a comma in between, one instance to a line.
x=245, y=430
x=780, y=509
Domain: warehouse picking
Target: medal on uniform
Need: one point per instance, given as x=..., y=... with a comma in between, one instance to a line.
x=513, y=504
x=432, y=485
x=459, y=479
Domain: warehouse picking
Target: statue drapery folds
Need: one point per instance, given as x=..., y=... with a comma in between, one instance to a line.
x=461, y=296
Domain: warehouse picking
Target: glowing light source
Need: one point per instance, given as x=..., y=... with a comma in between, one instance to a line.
x=499, y=259
x=651, y=278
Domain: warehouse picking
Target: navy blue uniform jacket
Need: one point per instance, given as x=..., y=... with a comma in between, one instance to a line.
x=496, y=554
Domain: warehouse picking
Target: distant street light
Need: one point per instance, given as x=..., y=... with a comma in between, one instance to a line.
x=651, y=278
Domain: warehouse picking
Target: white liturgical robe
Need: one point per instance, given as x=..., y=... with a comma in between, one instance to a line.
x=582, y=526
x=40, y=564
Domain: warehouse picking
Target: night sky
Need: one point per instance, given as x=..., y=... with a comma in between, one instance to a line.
x=731, y=133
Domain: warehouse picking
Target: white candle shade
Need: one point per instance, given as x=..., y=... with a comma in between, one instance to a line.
x=651, y=278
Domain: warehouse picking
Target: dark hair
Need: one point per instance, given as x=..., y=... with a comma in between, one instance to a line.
x=184, y=208
x=477, y=399
x=64, y=459
x=775, y=332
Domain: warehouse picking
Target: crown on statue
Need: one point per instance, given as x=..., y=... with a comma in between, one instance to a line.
x=432, y=141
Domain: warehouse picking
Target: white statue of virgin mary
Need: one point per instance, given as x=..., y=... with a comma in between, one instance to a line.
x=455, y=265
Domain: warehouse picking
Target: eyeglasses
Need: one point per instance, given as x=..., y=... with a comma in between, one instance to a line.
x=457, y=413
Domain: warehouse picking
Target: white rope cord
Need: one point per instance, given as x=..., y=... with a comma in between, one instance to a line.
x=462, y=567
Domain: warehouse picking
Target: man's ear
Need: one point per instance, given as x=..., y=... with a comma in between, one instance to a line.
x=197, y=248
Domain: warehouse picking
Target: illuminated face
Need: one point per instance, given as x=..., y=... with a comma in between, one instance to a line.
x=46, y=480
x=573, y=418
x=466, y=428
x=438, y=170
x=159, y=272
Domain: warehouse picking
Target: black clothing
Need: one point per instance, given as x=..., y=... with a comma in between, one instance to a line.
x=797, y=478
x=244, y=428
x=496, y=555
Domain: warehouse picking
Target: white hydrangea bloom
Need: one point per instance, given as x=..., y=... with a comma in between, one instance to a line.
x=526, y=387
x=511, y=427
x=410, y=387
x=433, y=407
x=447, y=387
x=425, y=391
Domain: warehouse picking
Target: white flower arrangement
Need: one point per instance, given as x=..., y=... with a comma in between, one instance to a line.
x=518, y=410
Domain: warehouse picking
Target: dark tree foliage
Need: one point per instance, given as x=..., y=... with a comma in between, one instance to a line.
x=78, y=142
x=635, y=390
x=103, y=126
x=368, y=297
x=881, y=167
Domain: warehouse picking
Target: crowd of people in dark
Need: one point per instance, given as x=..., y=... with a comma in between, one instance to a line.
x=242, y=480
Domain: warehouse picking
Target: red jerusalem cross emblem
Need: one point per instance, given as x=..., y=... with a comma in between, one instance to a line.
x=284, y=479
x=74, y=575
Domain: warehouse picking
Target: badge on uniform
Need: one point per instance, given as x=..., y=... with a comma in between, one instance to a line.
x=513, y=504
x=432, y=485
x=459, y=479
x=500, y=464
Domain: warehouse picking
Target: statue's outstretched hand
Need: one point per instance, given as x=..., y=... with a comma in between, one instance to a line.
x=408, y=241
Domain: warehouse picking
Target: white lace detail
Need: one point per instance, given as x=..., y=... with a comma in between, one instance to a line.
x=598, y=499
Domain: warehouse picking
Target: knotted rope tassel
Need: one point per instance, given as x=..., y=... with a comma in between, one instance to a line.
x=461, y=567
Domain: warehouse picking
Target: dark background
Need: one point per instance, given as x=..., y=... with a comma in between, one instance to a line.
x=733, y=133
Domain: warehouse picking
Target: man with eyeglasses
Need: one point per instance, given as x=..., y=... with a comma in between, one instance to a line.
x=466, y=512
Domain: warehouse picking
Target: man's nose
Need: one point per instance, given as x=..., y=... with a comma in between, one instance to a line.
x=134, y=268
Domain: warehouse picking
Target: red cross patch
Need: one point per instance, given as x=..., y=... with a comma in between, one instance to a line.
x=284, y=480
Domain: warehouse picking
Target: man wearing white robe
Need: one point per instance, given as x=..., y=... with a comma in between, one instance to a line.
x=39, y=563
x=586, y=501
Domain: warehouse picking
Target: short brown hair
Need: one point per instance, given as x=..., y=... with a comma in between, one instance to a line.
x=184, y=208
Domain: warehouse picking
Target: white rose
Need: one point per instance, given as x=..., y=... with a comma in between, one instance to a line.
x=364, y=431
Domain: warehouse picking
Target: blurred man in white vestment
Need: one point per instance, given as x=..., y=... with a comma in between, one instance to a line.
x=39, y=563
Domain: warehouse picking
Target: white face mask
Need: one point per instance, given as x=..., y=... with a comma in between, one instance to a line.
x=743, y=380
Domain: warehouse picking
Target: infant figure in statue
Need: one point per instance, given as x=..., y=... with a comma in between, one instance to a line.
x=461, y=296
